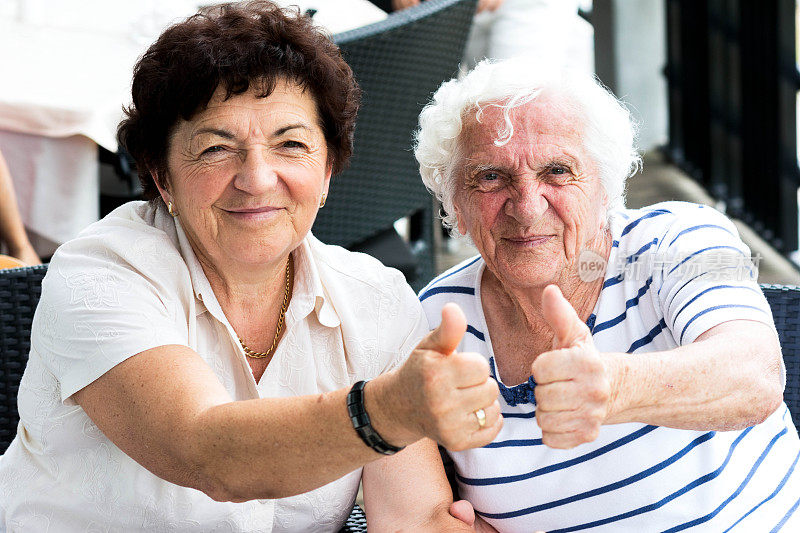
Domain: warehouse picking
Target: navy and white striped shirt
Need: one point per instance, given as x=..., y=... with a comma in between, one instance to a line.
x=675, y=271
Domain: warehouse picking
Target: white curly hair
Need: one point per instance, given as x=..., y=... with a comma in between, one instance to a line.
x=609, y=131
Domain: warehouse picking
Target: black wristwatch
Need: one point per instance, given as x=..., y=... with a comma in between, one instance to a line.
x=361, y=423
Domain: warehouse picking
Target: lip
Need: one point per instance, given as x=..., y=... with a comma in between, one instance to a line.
x=253, y=213
x=529, y=240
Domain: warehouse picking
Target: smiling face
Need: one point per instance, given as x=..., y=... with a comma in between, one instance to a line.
x=245, y=176
x=532, y=205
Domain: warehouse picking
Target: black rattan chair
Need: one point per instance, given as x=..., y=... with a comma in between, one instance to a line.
x=785, y=304
x=398, y=63
x=19, y=293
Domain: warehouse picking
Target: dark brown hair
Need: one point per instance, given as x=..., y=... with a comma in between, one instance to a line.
x=234, y=46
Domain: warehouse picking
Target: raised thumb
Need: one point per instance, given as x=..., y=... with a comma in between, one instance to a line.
x=567, y=326
x=448, y=335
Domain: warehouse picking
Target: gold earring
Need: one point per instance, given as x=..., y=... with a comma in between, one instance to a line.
x=171, y=212
x=322, y=200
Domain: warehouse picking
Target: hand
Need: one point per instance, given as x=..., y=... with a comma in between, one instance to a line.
x=488, y=5
x=399, y=5
x=464, y=511
x=573, y=389
x=440, y=389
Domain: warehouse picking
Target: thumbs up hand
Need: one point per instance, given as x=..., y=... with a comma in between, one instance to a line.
x=442, y=389
x=573, y=388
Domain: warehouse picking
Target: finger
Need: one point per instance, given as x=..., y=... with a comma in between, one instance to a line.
x=561, y=441
x=479, y=438
x=445, y=338
x=560, y=421
x=402, y=4
x=570, y=439
x=557, y=396
x=463, y=510
x=492, y=413
x=470, y=399
x=484, y=436
x=556, y=365
x=567, y=327
x=467, y=369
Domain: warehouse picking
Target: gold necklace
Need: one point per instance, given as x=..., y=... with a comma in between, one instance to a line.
x=261, y=355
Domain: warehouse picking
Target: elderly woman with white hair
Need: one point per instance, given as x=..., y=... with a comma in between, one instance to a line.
x=639, y=370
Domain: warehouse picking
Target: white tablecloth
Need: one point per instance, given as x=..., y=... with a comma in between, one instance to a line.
x=65, y=71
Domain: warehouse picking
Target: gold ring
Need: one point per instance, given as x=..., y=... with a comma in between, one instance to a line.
x=480, y=414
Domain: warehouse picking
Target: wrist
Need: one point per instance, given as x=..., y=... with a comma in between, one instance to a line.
x=386, y=410
x=616, y=371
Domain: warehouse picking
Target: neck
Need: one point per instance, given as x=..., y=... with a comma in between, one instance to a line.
x=242, y=288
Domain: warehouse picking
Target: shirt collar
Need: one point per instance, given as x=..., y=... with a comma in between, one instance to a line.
x=308, y=293
x=309, y=286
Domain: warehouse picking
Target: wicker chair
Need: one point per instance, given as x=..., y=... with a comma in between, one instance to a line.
x=19, y=293
x=398, y=63
x=785, y=304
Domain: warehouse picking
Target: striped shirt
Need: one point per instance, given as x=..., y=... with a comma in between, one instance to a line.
x=675, y=270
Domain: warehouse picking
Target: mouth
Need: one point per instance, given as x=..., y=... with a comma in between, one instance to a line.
x=253, y=213
x=529, y=241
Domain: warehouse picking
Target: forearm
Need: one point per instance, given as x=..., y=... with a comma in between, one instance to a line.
x=726, y=380
x=409, y=492
x=273, y=448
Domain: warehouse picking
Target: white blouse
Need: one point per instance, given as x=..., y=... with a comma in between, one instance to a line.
x=131, y=282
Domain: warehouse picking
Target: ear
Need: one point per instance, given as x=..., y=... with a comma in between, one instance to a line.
x=163, y=190
x=461, y=226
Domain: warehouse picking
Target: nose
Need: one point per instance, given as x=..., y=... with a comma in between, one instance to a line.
x=527, y=202
x=257, y=173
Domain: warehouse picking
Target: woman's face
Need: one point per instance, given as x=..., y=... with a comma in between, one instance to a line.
x=533, y=204
x=246, y=175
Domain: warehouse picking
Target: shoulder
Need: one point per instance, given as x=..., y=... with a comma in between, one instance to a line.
x=356, y=272
x=458, y=285
x=132, y=241
x=667, y=224
x=461, y=278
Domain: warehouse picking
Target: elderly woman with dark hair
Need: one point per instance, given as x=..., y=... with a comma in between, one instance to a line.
x=640, y=374
x=199, y=362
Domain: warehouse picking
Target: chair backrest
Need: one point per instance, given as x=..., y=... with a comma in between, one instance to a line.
x=20, y=289
x=398, y=63
x=785, y=304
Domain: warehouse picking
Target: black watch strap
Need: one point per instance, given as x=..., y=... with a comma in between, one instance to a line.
x=361, y=423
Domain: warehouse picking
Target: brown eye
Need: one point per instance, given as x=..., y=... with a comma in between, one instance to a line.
x=293, y=144
x=213, y=149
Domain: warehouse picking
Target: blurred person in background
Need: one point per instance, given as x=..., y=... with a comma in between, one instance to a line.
x=544, y=29
x=12, y=232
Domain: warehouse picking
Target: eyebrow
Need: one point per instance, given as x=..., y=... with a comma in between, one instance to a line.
x=284, y=129
x=225, y=134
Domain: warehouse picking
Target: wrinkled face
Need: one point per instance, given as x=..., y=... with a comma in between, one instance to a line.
x=532, y=205
x=246, y=175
